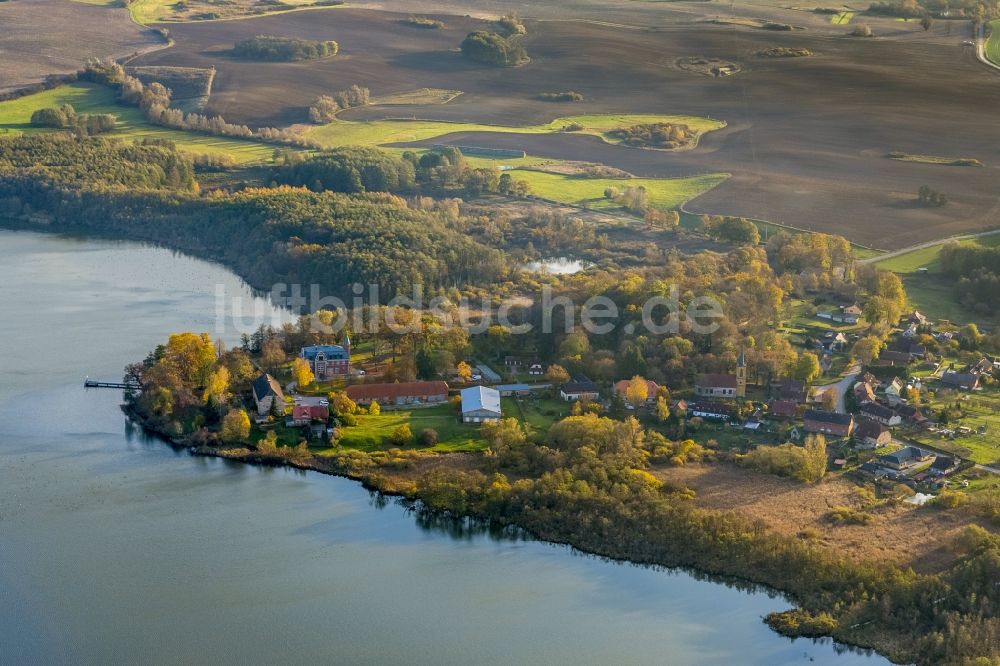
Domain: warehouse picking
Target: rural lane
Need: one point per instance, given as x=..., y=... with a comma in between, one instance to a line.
x=843, y=386
x=981, y=48
x=927, y=244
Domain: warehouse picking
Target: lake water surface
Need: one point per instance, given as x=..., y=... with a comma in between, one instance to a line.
x=117, y=548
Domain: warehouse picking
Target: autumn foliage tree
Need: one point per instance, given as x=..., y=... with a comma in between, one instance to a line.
x=235, y=426
x=301, y=372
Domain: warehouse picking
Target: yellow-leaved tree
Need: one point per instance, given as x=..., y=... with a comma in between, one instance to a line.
x=637, y=390
x=236, y=426
x=301, y=372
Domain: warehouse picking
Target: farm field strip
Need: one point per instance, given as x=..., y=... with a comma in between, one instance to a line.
x=380, y=132
x=15, y=117
x=843, y=18
x=144, y=12
x=992, y=49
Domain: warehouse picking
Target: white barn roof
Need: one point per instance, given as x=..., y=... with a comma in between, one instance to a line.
x=480, y=398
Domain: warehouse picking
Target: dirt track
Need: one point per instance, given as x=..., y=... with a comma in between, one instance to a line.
x=806, y=141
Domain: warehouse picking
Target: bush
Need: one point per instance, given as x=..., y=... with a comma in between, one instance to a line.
x=845, y=515
x=490, y=48
x=325, y=108
x=423, y=22
x=569, y=96
x=284, y=49
x=863, y=30
x=784, y=52
x=66, y=117
x=509, y=25
x=805, y=463
x=428, y=436
x=401, y=436
x=655, y=135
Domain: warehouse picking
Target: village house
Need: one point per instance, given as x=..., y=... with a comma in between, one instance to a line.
x=943, y=466
x=514, y=363
x=871, y=434
x=480, y=404
x=828, y=423
x=707, y=409
x=851, y=313
x=306, y=409
x=846, y=314
x=652, y=389
x=863, y=393
x=328, y=361
x=268, y=395
x=879, y=413
x=507, y=390
x=917, y=318
x=894, y=392
x=912, y=415
x=905, y=458
x=790, y=390
x=963, y=380
x=893, y=359
x=579, y=389
x=399, y=393
x=536, y=369
x=983, y=366
x=782, y=409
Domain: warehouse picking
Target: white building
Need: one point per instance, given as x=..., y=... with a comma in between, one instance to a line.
x=480, y=404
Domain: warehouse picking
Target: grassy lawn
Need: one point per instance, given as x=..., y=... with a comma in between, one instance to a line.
x=371, y=432
x=992, y=49
x=15, y=117
x=381, y=132
x=153, y=11
x=933, y=292
x=982, y=409
x=664, y=193
x=539, y=413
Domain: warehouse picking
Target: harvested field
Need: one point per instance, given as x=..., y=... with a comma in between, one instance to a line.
x=806, y=137
x=901, y=534
x=43, y=37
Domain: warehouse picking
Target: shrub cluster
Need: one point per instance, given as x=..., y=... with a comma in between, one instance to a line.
x=284, y=49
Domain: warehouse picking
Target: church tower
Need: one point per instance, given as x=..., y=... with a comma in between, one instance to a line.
x=741, y=375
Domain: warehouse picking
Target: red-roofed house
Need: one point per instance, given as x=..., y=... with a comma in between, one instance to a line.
x=652, y=389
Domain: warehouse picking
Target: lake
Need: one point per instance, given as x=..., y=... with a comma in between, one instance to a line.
x=115, y=547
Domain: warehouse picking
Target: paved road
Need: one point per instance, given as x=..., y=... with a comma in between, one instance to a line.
x=843, y=386
x=987, y=468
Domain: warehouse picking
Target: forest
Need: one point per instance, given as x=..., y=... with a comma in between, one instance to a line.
x=284, y=234
x=977, y=271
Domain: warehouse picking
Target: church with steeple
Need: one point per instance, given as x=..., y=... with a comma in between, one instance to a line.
x=724, y=385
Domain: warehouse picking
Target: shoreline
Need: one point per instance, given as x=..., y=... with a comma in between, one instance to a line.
x=384, y=483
